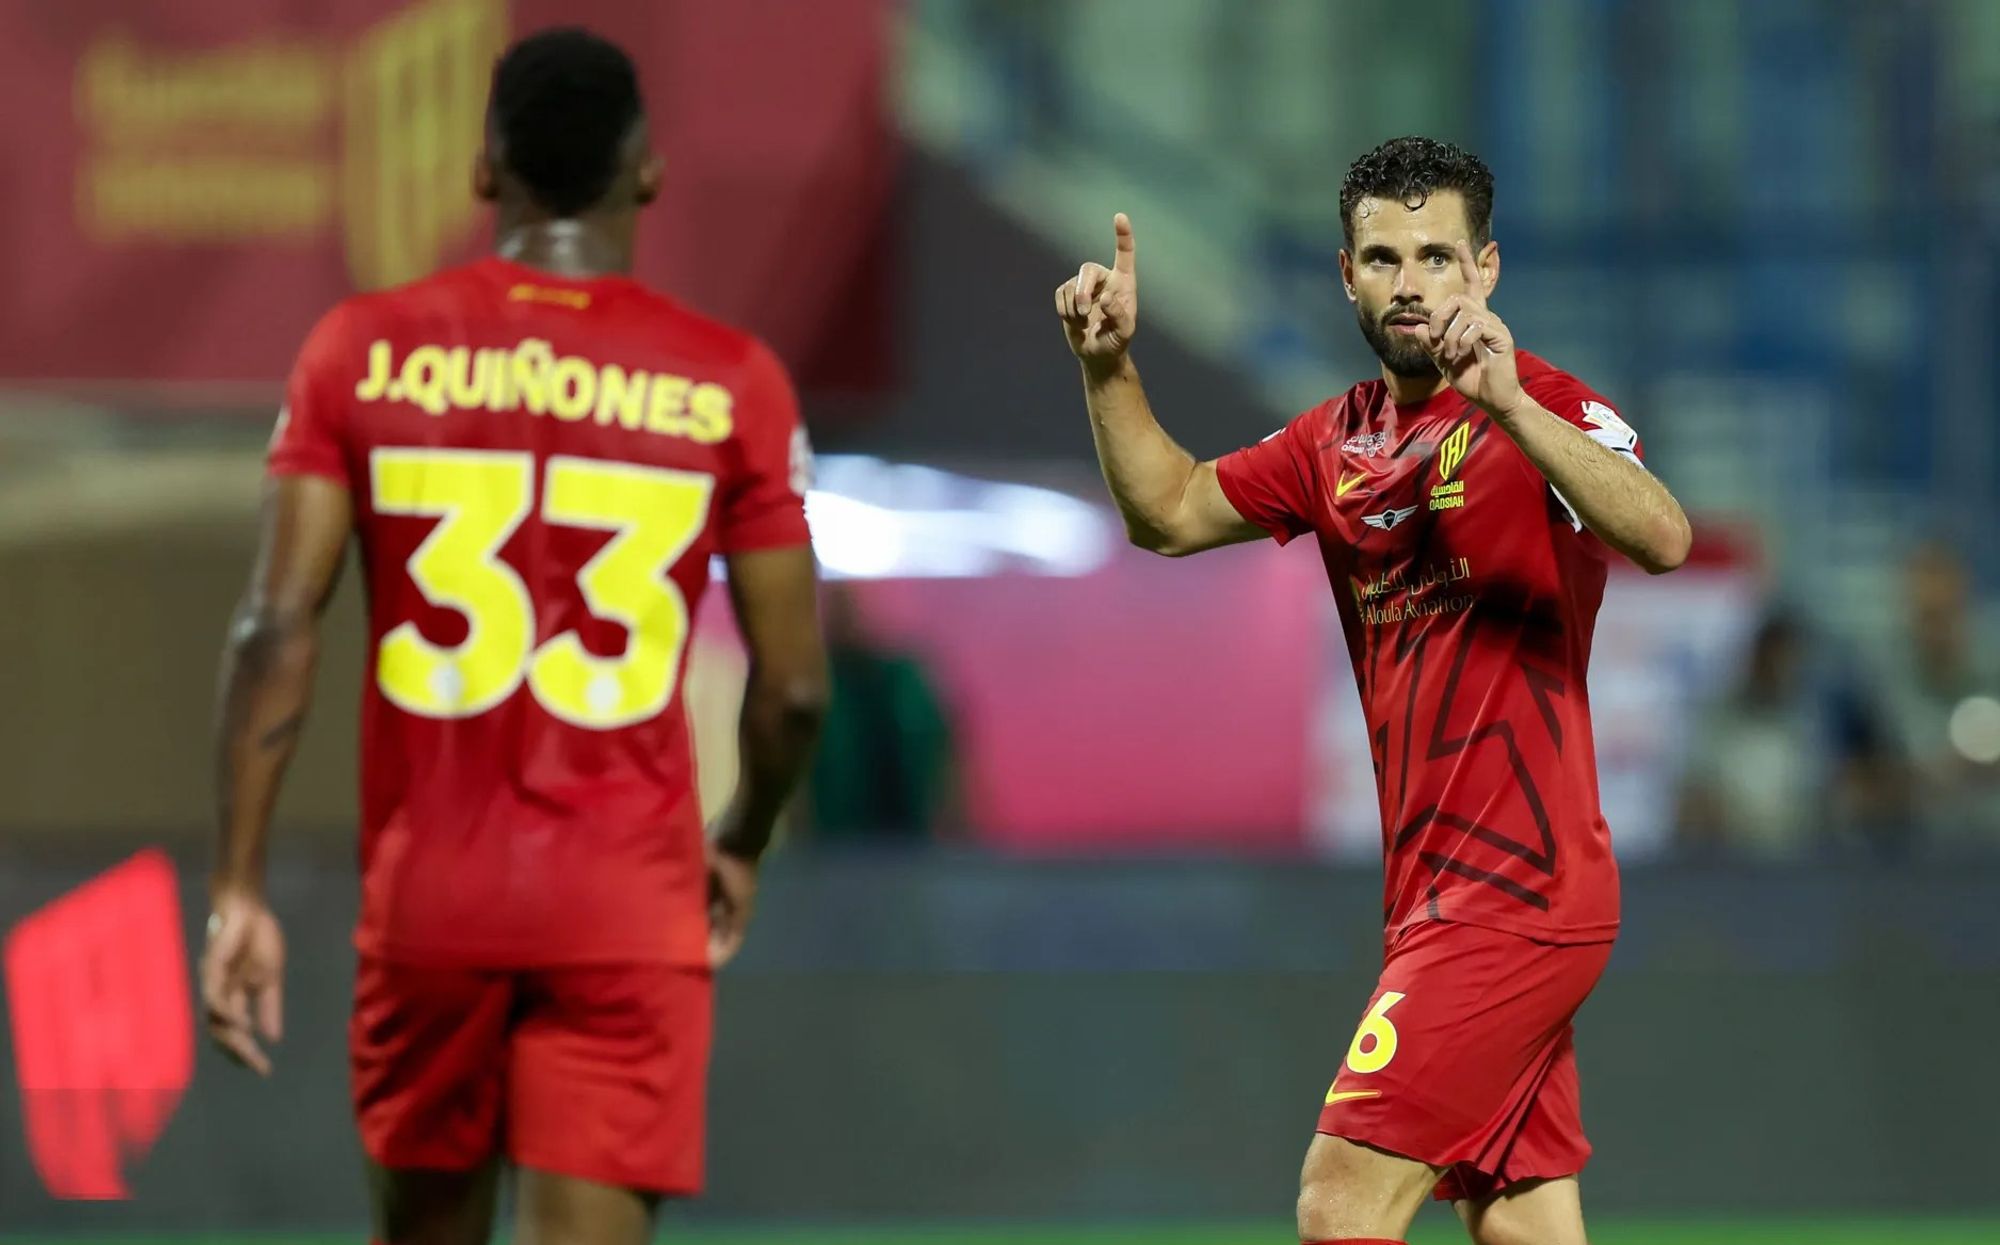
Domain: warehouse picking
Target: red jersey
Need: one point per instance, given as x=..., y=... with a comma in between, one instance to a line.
x=541, y=468
x=1468, y=592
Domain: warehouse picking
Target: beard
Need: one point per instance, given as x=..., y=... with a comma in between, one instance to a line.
x=1402, y=354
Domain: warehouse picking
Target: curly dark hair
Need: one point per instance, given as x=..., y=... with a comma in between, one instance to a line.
x=563, y=102
x=1411, y=170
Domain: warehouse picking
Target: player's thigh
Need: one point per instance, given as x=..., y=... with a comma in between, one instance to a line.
x=1530, y=1212
x=1350, y=1189
x=427, y=1056
x=1542, y=1137
x=607, y=1077
x=412, y=1206
x=553, y=1209
x=1462, y=1028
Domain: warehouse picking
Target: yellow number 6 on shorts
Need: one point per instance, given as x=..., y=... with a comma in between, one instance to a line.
x=1376, y=1025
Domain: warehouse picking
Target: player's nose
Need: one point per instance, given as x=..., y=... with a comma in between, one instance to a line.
x=1406, y=282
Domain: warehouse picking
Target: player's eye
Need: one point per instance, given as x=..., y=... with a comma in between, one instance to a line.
x=1434, y=261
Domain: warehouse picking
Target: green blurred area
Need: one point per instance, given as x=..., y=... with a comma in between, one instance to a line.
x=1433, y=1229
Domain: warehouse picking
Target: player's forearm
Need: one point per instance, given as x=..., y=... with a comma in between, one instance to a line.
x=1626, y=505
x=1147, y=473
x=782, y=713
x=267, y=675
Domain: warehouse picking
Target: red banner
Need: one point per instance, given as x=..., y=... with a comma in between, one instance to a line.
x=195, y=181
x=103, y=1025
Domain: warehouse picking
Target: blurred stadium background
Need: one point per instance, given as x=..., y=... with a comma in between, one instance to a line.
x=1067, y=938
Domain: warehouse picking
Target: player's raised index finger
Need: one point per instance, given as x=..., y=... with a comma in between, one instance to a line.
x=1468, y=265
x=1128, y=249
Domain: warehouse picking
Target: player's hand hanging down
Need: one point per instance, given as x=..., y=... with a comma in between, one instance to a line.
x=242, y=978
x=1472, y=346
x=732, y=896
x=1100, y=306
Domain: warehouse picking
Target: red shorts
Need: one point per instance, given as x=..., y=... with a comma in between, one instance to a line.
x=1464, y=1059
x=594, y=1071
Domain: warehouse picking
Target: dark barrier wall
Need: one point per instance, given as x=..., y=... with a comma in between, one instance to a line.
x=946, y=1037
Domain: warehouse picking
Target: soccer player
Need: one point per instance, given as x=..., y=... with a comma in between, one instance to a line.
x=1465, y=504
x=538, y=456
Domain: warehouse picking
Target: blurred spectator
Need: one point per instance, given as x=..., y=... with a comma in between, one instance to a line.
x=1944, y=694
x=1790, y=760
x=885, y=768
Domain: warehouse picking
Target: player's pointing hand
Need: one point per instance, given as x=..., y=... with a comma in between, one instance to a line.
x=1472, y=346
x=1100, y=306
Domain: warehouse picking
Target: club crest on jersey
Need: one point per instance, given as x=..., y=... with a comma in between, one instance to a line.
x=1389, y=520
x=1450, y=493
x=1452, y=450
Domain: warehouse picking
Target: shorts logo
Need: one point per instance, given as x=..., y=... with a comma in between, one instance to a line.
x=1452, y=450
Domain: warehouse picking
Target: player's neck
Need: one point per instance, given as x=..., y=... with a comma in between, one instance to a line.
x=1410, y=390
x=578, y=247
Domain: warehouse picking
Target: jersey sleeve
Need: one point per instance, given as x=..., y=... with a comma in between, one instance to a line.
x=1272, y=483
x=764, y=507
x=1571, y=400
x=311, y=436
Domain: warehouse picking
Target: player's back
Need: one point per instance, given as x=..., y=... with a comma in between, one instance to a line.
x=541, y=468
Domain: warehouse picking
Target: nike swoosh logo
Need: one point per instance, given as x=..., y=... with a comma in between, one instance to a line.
x=1346, y=1094
x=1346, y=486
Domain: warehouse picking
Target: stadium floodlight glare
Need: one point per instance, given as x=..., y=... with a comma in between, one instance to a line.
x=1974, y=729
x=873, y=519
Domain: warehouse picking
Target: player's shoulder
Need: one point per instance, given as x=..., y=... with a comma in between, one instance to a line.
x=374, y=313
x=1570, y=398
x=1539, y=377
x=694, y=335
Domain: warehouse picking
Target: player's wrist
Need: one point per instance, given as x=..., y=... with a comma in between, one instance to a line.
x=227, y=887
x=738, y=844
x=1101, y=370
x=735, y=838
x=1510, y=410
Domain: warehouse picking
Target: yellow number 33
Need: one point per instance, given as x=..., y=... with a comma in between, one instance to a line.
x=480, y=499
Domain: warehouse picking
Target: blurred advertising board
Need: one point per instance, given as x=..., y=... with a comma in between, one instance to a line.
x=203, y=178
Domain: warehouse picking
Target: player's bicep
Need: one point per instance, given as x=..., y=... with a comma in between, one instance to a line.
x=1209, y=519
x=303, y=536
x=1270, y=486
x=310, y=438
x=776, y=596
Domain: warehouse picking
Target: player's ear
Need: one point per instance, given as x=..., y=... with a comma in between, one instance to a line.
x=1489, y=264
x=652, y=171
x=1347, y=273
x=485, y=182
